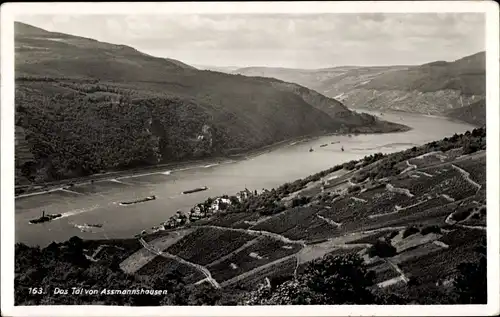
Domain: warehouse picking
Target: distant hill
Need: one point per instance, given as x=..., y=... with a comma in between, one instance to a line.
x=432, y=88
x=86, y=106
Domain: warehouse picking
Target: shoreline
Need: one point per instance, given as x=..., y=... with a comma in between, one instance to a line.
x=190, y=164
x=396, y=111
x=154, y=169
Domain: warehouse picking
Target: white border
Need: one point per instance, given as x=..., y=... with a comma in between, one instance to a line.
x=9, y=10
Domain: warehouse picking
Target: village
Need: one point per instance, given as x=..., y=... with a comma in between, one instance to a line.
x=203, y=210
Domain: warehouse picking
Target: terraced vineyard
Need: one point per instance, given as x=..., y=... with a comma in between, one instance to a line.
x=438, y=201
x=163, y=266
x=265, y=251
x=226, y=241
x=476, y=169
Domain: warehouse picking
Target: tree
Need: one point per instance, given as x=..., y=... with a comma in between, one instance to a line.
x=382, y=249
x=471, y=282
x=204, y=294
x=331, y=280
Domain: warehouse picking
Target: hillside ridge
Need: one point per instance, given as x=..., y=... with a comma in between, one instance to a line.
x=76, y=96
x=437, y=87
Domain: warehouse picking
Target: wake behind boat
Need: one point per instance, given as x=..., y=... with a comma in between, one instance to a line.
x=199, y=189
x=153, y=197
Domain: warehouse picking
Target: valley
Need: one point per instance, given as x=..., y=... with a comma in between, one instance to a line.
x=436, y=88
x=411, y=216
x=85, y=107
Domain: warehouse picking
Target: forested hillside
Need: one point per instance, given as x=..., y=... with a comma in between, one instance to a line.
x=86, y=107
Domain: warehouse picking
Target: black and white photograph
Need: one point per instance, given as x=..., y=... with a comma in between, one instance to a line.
x=250, y=155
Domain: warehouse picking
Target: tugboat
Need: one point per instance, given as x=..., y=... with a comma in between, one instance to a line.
x=44, y=218
x=199, y=189
x=153, y=197
x=311, y=149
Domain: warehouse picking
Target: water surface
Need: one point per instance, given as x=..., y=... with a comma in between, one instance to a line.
x=99, y=202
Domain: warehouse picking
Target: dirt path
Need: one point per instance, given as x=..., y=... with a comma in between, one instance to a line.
x=238, y=278
x=472, y=227
x=448, y=198
x=260, y=233
x=167, y=255
x=329, y=221
x=227, y=256
x=466, y=175
x=423, y=173
x=402, y=274
x=409, y=168
x=399, y=190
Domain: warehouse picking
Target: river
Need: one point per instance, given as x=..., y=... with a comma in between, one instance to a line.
x=99, y=202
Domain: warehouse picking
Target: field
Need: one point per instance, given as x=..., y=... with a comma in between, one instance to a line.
x=163, y=266
x=425, y=161
x=108, y=250
x=476, y=168
x=266, y=250
x=282, y=269
x=235, y=220
x=198, y=247
x=343, y=209
x=383, y=272
x=299, y=223
x=424, y=184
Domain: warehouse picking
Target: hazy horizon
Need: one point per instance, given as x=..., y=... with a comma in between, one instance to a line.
x=301, y=41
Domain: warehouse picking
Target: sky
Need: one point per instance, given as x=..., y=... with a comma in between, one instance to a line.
x=284, y=40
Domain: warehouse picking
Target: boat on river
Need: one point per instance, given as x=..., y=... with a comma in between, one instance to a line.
x=153, y=197
x=199, y=189
x=45, y=218
x=93, y=225
x=323, y=145
x=311, y=149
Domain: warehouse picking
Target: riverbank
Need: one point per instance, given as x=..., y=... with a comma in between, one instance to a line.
x=396, y=111
x=40, y=189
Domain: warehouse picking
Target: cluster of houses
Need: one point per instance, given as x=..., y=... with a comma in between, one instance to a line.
x=203, y=210
x=219, y=204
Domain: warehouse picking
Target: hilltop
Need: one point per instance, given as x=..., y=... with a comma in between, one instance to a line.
x=87, y=107
x=402, y=228
x=433, y=88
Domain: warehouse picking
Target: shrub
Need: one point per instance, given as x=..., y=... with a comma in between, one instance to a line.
x=430, y=229
x=382, y=249
x=409, y=231
x=460, y=215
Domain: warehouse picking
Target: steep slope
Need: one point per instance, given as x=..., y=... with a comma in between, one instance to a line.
x=88, y=107
x=432, y=88
x=474, y=113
